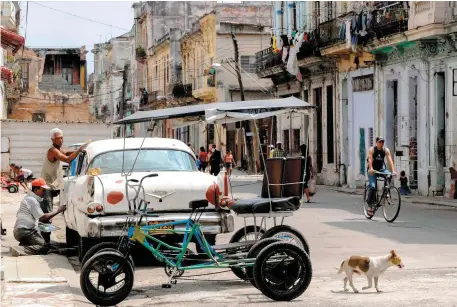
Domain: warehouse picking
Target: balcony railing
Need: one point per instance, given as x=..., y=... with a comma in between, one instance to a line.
x=266, y=58
x=330, y=33
x=390, y=19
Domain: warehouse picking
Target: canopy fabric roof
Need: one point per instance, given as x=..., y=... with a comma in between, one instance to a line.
x=7, y=74
x=250, y=106
x=11, y=40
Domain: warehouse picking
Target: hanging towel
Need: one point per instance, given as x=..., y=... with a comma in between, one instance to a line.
x=348, y=33
x=278, y=44
x=292, y=64
x=305, y=37
x=285, y=40
x=273, y=42
x=342, y=34
x=284, y=54
x=364, y=25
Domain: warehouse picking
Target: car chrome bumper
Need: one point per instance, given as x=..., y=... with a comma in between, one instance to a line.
x=113, y=226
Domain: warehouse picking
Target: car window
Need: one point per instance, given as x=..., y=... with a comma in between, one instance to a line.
x=81, y=164
x=149, y=160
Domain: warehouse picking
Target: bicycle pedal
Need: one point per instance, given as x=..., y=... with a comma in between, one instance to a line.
x=166, y=286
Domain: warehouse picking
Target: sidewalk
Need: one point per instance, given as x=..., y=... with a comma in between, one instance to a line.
x=34, y=280
x=415, y=199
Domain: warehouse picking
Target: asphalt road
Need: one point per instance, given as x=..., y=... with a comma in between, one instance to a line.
x=425, y=237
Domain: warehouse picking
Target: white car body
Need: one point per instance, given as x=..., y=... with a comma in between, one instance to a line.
x=168, y=194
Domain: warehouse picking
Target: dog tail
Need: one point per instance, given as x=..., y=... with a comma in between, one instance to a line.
x=341, y=267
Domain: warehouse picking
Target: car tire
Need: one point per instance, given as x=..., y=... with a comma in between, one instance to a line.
x=71, y=237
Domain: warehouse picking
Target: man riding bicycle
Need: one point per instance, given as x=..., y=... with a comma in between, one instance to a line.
x=376, y=156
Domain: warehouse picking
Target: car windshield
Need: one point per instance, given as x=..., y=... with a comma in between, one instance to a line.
x=149, y=160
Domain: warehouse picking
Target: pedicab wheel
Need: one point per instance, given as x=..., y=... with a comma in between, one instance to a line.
x=391, y=203
x=114, y=281
x=13, y=189
x=248, y=233
x=282, y=271
x=366, y=206
x=253, y=252
x=103, y=246
x=289, y=234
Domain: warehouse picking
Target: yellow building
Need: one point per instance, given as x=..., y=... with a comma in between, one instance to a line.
x=198, y=51
x=159, y=68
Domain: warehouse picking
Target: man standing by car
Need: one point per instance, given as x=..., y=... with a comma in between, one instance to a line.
x=52, y=169
x=215, y=161
x=26, y=230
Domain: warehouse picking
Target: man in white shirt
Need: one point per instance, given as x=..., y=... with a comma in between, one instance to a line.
x=31, y=241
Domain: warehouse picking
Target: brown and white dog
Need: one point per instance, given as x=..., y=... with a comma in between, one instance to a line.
x=371, y=267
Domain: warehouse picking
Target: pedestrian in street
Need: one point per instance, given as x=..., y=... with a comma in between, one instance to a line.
x=52, y=171
x=26, y=232
x=203, y=158
x=215, y=161
x=308, y=171
x=229, y=162
x=25, y=176
x=278, y=152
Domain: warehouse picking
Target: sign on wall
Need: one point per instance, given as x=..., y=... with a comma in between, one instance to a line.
x=362, y=83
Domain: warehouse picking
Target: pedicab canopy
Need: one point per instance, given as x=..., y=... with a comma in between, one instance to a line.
x=225, y=112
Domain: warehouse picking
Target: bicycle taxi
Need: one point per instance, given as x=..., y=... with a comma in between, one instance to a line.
x=274, y=260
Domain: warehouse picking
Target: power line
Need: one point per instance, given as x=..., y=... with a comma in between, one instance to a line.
x=82, y=98
x=71, y=14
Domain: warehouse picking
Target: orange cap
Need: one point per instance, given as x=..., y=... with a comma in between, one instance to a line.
x=39, y=182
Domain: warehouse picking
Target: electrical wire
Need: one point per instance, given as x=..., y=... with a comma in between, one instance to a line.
x=70, y=98
x=77, y=16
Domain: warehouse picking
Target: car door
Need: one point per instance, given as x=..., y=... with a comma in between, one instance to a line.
x=69, y=187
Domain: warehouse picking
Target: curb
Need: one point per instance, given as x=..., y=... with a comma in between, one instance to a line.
x=437, y=203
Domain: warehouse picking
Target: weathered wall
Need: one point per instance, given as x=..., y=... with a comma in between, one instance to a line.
x=252, y=12
x=26, y=142
x=70, y=111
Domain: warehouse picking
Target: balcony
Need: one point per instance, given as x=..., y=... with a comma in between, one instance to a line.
x=206, y=93
x=269, y=63
x=333, y=40
x=390, y=20
x=141, y=55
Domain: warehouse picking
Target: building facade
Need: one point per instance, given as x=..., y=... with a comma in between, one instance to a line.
x=11, y=42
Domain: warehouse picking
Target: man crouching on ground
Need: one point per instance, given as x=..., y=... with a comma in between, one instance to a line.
x=31, y=241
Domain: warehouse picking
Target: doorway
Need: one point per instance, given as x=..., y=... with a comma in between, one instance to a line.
x=440, y=129
x=345, y=127
x=413, y=152
x=318, y=124
x=391, y=115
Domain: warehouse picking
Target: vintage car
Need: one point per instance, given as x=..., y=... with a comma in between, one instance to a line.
x=96, y=199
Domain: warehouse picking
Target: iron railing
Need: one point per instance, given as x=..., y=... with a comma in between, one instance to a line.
x=330, y=33
x=390, y=19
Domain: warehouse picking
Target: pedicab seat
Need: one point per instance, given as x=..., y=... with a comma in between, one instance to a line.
x=262, y=205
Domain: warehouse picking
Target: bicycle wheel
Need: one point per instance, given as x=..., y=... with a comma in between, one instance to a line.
x=366, y=206
x=391, y=203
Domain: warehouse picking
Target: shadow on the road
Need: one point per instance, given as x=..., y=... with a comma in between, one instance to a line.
x=184, y=286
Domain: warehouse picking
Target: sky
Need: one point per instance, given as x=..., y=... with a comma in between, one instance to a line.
x=49, y=28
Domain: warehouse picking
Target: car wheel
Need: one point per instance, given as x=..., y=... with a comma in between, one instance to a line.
x=71, y=237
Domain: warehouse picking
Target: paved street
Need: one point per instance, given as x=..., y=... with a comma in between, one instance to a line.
x=424, y=236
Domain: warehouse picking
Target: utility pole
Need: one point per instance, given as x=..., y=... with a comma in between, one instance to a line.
x=121, y=107
x=245, y=124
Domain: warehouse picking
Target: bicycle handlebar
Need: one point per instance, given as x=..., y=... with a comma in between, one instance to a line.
x=140, y=186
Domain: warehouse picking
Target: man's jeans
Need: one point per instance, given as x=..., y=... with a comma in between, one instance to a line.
x=372, y=185
x=47, y=206
x=31, y=242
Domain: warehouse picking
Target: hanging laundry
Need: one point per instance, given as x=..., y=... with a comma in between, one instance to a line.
x=305, y=37
x=285, y=40
x=273, y=42
x=348, y=33
x=278, y=44
x=285, y=53
x=342, y=34
x=292, y=63
x=298, y=41
x=364, y=25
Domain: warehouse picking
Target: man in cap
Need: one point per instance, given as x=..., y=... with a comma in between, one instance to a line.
x=376, y=163
x=31, y=241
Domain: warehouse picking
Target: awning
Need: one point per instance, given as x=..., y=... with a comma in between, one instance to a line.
x=250, y=107
x=7, y=74
x=11, y=40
